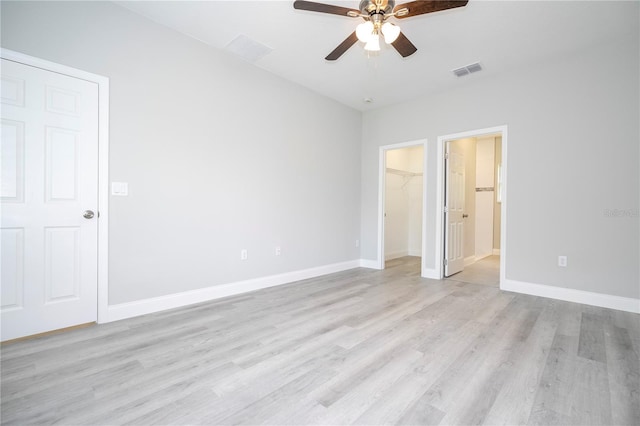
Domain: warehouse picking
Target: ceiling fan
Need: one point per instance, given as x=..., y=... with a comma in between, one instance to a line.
x=375, y=14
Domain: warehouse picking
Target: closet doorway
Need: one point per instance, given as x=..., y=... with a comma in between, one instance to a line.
x=402, y=205
x=483, y=246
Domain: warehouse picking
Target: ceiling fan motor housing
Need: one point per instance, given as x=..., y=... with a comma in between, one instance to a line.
x=375, y=13
x=370, y=7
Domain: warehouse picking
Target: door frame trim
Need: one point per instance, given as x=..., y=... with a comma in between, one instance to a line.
x=439, y=207
x=103, y=164
x=381, y=198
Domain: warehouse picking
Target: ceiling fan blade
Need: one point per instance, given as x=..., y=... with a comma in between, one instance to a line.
x=404, y=46
x=343, y=47
x=324, y=8
x=422, y=7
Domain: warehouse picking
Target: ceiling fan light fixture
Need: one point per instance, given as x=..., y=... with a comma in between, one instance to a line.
x=375, y=13
x=364, y=31
x=373, y=44
x=390, y=32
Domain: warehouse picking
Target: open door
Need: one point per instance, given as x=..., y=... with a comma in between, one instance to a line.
x=454, y=210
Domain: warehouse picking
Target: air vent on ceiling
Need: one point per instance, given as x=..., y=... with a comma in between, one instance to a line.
x=248, y=49
x=471, y=68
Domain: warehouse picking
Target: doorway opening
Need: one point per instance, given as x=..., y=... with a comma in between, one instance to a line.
x=471, y=197
x=401, y=210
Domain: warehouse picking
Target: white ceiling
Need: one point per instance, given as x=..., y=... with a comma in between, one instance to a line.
x=504, y=36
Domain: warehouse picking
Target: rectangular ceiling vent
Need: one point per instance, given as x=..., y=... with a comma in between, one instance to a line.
x=468, y=69
x=248, y=49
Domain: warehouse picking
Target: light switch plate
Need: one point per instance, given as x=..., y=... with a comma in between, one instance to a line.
x=120, y=188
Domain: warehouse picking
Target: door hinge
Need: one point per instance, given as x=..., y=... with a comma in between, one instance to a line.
x=446, y=262
x=446, y=156
x=446, y=209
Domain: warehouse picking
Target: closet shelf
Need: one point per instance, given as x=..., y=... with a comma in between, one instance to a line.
x=402, y=172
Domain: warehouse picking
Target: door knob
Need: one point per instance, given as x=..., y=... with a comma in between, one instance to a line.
x=464, y=215
x=88, y=214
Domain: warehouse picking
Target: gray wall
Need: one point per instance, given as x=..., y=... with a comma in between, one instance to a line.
x=219, y=155
x=572, y=155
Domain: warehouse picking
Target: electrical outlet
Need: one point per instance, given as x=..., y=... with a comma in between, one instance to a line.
x=357, y=243
x=278, y=251
x=244, y=255
x=562, y=261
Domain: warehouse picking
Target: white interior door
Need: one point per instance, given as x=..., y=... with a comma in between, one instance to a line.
x=454, y=210
x=49, y=184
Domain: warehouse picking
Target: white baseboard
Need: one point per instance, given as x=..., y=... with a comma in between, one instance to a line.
x=417, y=253
x=396, y=254
x=430, y=273
x=170, y=301
x=496, y=252
x=470, y=260
x=157, y=304
x=626, y=304
x=371, y=264
x=482, y=256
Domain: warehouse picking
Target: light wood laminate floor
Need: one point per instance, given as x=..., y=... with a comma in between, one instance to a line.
x=485, y=271
x=356, y=347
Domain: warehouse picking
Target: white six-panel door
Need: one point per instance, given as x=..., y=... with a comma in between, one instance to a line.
x=49, y=161
x=454, y=202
